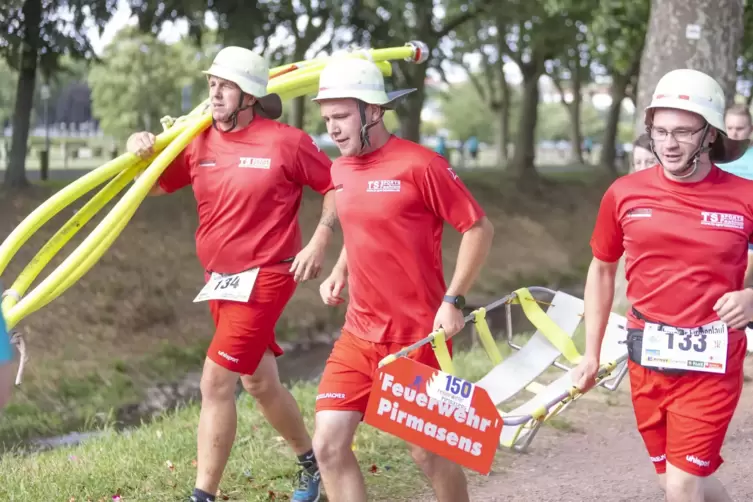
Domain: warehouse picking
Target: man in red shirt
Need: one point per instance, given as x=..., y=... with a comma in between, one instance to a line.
x=684, y=226
x=393, y=197
x=248, y=173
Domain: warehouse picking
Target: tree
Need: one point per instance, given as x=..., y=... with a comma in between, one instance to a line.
x=138, y=82
x=306, y=21
x=36, y=33
x=389, y=23
x=467, y=113
x=617, y=35
x=484, y=36
x=571, y=71
x=540, y=30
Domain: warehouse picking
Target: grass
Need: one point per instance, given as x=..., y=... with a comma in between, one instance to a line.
x=157, y=460
x=85, y=400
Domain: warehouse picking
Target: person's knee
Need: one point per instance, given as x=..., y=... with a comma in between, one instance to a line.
x=662, y=478
x=217, y=383
x=264, y=384
x=681, y=486
x=333, y=439
x=330, y=448
x=432, y=464
x=423, y=458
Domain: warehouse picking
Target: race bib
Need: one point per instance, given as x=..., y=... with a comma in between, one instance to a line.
x=693, y=349
x=232, y=287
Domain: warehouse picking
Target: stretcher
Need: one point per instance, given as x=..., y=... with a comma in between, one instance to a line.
x=523, y=373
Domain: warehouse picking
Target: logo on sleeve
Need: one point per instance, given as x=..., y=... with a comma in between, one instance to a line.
x=384, y=186
x=722, y=220
x=452, y=173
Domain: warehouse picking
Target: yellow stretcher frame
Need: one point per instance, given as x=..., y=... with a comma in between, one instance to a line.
x=288, y=81
x=553, y=333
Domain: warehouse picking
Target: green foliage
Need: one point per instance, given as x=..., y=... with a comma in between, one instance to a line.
x=465, y=114
x=139, y=82
x=62, y=31
x=617, y=34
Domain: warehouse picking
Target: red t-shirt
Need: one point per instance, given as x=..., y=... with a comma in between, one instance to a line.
x=685, y=244
x=392, y=205
x=248, y=186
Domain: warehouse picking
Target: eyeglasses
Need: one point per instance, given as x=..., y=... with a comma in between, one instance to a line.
x=680, y=135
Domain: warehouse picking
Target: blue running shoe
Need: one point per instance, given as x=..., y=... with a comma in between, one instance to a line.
x=309, y=482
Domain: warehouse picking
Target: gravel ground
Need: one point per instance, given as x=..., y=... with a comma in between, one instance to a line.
x=603, y=458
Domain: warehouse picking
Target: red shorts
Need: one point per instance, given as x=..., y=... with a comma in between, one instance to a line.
x=684, y=418
x=349, y=373
x=244, y=331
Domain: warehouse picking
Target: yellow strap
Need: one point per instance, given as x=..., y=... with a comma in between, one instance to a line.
x=487, y=340
x=442, y=353
x=546, y=326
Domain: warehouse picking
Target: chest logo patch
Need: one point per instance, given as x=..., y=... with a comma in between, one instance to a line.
x=639, y=212
x=384, y=186
x=255, y=163
x=722, y=220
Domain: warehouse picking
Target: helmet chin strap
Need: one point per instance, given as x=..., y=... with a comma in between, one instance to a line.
x=692, y=166
x=364, y=135
x=234, y=114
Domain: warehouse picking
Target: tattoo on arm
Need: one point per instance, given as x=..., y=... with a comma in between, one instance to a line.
x=328, y=220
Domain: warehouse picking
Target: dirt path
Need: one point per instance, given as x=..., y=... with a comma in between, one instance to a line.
x=603, y=458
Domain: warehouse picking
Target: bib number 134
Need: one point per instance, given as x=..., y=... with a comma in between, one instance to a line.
x=231, y=287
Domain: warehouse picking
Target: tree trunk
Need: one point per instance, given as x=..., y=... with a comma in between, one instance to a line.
x=504, y=126
x=617, y=93
x=298, y=109
x=409, y=110
x=576, y=137
x=15, y=175
x=524, y=154
x=501, y=110
x=667, y=47
x=298, y=112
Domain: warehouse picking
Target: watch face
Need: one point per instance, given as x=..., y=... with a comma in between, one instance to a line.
x=460, y=302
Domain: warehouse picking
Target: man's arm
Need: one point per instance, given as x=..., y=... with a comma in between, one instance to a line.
x=474, y=249
x=598, y=298
x=341, y=267
x=325, y=229
x=748, y=281
x=141, y=144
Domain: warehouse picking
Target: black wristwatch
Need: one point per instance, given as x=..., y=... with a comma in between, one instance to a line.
x=456, y=301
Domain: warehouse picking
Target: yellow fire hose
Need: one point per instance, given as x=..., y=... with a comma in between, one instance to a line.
x=288, y=81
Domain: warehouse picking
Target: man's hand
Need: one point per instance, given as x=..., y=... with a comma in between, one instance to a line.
x=308, y=262
x=141, y=144
x=735, y=309
x=449, y=318
x=584, y=375
x=331, y=288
